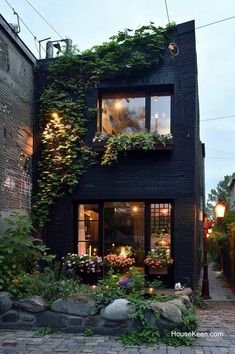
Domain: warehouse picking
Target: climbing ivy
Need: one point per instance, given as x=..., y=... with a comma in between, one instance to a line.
x=64, y=114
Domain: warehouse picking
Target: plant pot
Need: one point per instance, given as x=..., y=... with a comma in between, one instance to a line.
x=158, y=270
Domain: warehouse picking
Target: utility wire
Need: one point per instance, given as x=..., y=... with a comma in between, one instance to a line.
x=213, y=23
x=225, y=117
x=220, y=158
x=220, y=151
x=15, y=13
x=167, y=12
x=44, y=18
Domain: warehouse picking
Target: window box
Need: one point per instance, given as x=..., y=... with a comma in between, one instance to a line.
x=99, y=146
x=158, y=270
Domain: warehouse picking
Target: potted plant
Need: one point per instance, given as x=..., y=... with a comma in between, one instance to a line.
x=84, y=266
x=119, y=263
x=158, y=260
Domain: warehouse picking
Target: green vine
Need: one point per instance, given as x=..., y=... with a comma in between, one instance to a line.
x=143, y=140
x=64, y=114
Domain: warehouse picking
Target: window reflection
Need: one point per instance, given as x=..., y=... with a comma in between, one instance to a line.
x=123, y=113
x=124, y=226
x=88, y=229
x=161, y=225
x=160, y=114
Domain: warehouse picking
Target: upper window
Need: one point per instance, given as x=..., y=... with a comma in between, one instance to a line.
x=160, y=114
x=133, y=112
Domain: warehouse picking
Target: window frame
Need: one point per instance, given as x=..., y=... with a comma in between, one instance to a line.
x=147, y=93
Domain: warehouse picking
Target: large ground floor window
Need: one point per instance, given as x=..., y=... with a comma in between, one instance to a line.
x=123, y=226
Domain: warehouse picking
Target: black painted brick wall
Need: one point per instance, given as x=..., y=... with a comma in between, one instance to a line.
x=175, y=175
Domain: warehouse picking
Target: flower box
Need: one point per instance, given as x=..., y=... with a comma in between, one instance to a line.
x=99, y=146
x=158, y=270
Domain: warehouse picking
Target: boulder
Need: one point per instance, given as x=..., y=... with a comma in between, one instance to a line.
x=186, y=291
x=118, y=310
x=168, y=311
x=179, y=303
x=79, y=305
x=186, y=300
x=10, y=316
x=34, y=304
x=5, y=302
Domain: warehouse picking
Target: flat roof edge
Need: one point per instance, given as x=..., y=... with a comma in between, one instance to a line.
x=16, y=39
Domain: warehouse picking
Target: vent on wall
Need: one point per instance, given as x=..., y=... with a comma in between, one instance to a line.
x=4, y=59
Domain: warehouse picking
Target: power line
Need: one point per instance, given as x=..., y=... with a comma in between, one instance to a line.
x=43, y=18
x=213, y=23
x=220, y=151
x=225, y=117
x=16, y=13
x=221, y=158
x=167, y=12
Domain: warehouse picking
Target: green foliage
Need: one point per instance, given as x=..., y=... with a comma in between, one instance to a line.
x=19, y=251
x=216, y=242
x=178, y=341
x=188, y=325
x=64, y=113
x=189, y=321
x=146, y=337
x=108, y=289
x=198, y=300
x=88, y=332
x=45, y=331
x=124, y=142
x=221, y=191
x=145, y=334
x=46, y=285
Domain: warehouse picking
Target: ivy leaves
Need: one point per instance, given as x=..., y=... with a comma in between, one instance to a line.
x=133, y=141
x=63, y=113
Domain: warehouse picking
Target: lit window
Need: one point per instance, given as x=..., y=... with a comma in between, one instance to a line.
x=88, y=229
x=160, y=114
x=124, y=113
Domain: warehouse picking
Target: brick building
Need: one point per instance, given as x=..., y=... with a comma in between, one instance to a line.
x=149, y=198
x=16, y=118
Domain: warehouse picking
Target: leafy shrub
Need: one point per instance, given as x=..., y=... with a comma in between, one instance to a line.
x=46, y=285
x=19, y=251
x=108, y=289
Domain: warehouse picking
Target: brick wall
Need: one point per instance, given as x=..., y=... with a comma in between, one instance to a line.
x=16, y=117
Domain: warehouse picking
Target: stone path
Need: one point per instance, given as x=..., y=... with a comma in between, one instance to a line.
x=216, y=325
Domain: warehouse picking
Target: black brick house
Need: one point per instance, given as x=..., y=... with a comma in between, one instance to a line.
x=149, y=198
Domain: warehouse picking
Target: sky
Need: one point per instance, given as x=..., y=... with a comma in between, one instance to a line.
x=91, y=22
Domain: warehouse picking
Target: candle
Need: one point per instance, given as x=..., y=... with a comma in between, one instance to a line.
x=89, y=251
x=93, y=287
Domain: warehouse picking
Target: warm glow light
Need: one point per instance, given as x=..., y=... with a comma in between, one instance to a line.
x=93, y=287
x=113, y=244
x=220, y=209
x=135, y=208
x=54, y=115
x=123, y=252
x=118, y=105
x=164, y=211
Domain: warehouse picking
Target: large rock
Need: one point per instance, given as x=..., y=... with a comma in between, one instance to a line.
x=186, y=291
x=186, y=300
x=79, y=305
x=5, y=302
x=179, y=303
x=118, y=310
x=170, y=312
x=34, y=304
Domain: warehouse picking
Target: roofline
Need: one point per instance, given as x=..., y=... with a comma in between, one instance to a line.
x=16, y=39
